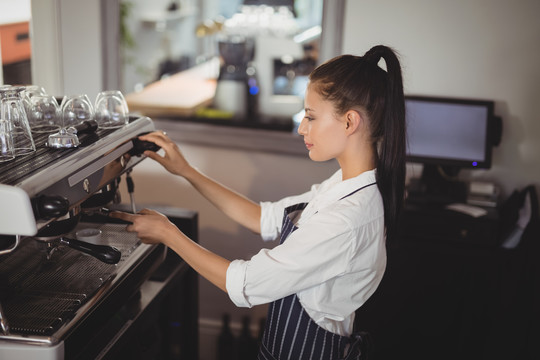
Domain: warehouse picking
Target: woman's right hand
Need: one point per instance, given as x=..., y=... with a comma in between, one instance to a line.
x=173, y=160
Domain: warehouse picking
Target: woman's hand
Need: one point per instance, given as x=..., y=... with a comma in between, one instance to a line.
x=173, y=160
x=151, y=226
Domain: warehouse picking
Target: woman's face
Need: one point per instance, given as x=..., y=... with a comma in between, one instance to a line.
x=322, y=129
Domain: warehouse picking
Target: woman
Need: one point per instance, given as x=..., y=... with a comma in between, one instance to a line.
x=331, y=255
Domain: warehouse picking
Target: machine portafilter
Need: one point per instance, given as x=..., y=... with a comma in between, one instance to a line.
x=55, y=233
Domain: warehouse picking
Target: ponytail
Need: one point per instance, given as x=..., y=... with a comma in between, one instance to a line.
x=357, y=82
x=391, y=146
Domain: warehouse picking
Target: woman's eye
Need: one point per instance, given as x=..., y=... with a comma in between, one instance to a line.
x=308, y=118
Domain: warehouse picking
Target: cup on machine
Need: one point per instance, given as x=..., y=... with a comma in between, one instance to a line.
x=76, y=109
x=44, y=114
x=13, y=111
x=6, y=142
x=111, y=109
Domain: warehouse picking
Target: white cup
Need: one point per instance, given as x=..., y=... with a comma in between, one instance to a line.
x=89, y=235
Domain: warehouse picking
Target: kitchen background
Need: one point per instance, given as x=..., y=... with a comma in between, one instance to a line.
x=486, y=49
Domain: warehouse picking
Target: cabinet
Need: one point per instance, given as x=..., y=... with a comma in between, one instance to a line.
x=439, y=295
x=16, y=52
x=15, y=42
x=436, y=224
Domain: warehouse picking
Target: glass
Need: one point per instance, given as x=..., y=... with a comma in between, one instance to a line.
x=28, y=93
x=32, y=90
x=76, y=109
x=12, y=110
x=44, y=114
x=6, y=142
x=111, y=109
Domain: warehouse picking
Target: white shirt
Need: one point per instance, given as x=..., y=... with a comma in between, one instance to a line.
x=334, y=261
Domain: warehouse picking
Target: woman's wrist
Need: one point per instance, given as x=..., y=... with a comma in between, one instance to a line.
x=190, y=174
x=172, y=236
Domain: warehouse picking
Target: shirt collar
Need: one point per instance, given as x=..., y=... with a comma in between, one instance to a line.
x=335, y=188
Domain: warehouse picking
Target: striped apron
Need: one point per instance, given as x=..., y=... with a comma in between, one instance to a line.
x=289, y=331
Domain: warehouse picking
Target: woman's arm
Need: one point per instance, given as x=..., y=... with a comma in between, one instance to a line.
x=234, y=205
x=153, y=228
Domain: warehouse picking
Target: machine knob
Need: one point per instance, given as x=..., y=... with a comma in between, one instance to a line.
x=140, y=146
x=47, y=207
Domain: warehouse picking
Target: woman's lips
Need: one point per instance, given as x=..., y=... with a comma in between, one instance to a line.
x=309, y=146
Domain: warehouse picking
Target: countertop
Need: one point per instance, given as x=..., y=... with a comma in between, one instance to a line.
x=275, y=137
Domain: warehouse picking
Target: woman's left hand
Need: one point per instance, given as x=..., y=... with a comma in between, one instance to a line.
x=151, y=226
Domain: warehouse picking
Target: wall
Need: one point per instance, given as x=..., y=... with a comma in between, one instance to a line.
x=488, y=49
x=12, y=11
x=66, y=46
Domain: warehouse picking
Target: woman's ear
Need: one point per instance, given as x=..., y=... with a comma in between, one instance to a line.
x=353, y=120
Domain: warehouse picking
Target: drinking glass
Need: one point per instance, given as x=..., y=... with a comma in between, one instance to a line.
x=32, y=90
x=6, y=142
x=44, y=114
x=12, y=110
x=111, y=109
x=28, y=92
x=76, y=109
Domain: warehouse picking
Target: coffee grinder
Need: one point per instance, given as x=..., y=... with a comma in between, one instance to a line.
x=237, y=89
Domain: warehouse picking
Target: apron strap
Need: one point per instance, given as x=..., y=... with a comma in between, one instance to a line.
x=357, y=190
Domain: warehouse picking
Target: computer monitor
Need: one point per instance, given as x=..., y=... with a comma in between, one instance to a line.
x=446, y=135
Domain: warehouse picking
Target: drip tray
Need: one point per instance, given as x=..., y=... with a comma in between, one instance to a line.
x=39, y=295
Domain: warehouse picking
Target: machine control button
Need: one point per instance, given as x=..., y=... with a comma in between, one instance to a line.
x=86, y=186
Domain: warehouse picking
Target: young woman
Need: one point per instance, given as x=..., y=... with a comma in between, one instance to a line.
x=331, y=255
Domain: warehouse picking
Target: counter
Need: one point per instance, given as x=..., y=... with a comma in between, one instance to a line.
x=252, y=136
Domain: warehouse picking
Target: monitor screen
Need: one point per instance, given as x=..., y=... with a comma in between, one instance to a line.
x=449, y=132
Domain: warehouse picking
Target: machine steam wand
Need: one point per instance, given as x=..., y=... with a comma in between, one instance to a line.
x=131, y=189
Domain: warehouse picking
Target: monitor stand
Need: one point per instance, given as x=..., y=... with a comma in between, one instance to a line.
x=438, y=185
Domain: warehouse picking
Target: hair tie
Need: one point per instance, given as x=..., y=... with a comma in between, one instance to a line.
x=374, y=55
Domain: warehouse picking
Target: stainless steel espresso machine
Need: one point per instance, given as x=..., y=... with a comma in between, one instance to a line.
x=65, y=294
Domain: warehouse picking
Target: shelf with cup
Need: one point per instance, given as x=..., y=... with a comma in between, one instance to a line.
x=160, y=19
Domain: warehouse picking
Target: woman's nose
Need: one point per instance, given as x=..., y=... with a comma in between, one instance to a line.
x=302, y=127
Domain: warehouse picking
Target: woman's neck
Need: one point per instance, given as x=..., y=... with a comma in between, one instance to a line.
x=355, y=161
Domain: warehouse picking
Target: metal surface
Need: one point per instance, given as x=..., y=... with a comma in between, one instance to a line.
x=48, y=166
x=4, y=327
x=7, y=251
x=42, y=298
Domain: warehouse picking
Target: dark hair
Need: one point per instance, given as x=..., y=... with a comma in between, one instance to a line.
x=358, y=83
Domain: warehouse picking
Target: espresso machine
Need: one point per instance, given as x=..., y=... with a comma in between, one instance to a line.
x=73, y=283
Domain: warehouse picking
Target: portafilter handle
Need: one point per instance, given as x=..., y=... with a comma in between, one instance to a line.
x=88, y=127
x=105, y=253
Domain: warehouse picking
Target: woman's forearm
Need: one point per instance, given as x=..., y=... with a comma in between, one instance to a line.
x=234, y=205
x=209, y=265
